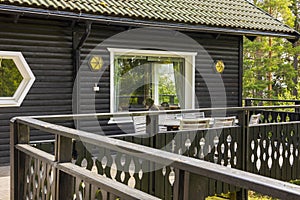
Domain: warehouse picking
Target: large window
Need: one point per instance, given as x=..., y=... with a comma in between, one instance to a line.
x=16, y=78
x=165, y=77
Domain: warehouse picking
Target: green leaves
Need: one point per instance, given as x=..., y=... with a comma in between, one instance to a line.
x=10, y=78
x=269, y=68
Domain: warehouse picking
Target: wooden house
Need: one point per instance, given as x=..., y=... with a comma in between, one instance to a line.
x=86, y=56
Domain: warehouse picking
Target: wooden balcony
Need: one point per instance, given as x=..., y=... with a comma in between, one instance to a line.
x=180, y=164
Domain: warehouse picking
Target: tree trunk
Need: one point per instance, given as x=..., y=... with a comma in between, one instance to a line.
x=270, y=72
x=295, y=64
x=270, y=57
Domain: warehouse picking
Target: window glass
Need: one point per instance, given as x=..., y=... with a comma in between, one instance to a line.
x=171, y=83
x=10, y=77
x=16, y=78
x=140, y=77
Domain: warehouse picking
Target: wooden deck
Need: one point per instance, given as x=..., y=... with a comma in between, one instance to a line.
x=4, y=183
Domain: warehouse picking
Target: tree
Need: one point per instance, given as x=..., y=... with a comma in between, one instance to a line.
x=166, y=87
x=269, y=70
x=295, y=7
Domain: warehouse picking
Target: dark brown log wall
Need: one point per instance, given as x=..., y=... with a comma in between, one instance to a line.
x=47, y=47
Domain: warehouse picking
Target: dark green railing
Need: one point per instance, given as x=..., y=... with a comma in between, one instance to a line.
x=272, y=102
x=273, y=150
x=168, y=165
x=213, y=145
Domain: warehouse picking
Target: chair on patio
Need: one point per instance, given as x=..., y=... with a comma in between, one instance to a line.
x=194, y=115
x=190, y=124
x=120, y=119
x=224, y=121
x=254, y=119
x=168, y=122
x=139, y=123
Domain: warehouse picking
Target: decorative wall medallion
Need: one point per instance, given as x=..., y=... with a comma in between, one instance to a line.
x=96, y=63
x=220, y=66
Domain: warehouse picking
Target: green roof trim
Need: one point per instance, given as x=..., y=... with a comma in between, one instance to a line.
x=230, y=14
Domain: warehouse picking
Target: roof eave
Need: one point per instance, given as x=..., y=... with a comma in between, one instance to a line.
x=142, y=23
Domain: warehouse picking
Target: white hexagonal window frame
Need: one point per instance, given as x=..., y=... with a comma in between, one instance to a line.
x=25, y=85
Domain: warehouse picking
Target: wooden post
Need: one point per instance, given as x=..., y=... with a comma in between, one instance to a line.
x=64, y=182
x=297, y=110
x=188, y=186
x=152, y=130
x=248, y=102
x=195, y=186
x=181, y=185
x=244, y=123
x=152, y=124
x=19, y=134
x=172, y=99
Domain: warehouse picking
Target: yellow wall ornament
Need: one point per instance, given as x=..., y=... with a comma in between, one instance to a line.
x=96, y=63
x=220, y=66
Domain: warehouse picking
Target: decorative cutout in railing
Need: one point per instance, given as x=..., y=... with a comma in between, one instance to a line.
x=275, y=150
x=271, y=116
x=39, y=179
x=41, y=176
x=84, y=190
x=132, y=171
x=214, y=145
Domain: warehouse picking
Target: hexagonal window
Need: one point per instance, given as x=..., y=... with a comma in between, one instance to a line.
x=11, y=78
x=16, y=78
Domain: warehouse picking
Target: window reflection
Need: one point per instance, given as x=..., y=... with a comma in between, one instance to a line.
x=140, y=77
x=10, y=77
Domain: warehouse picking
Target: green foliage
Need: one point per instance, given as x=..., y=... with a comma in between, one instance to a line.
x=166, y=87
x=280, y=9
x=134, y=79
x=269, y=63
x=257, y=196
x=297, y=181
x=10, y=78
x=133, y=73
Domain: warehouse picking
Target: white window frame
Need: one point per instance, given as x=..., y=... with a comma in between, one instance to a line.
x=189, y=58
x=25, y=85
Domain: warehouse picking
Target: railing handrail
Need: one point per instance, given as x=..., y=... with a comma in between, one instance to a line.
x=273, y=100
x=275, y=123
x=138, y=113
x=236, y=177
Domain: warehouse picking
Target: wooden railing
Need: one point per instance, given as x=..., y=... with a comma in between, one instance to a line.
x=273, y=150
x=36, y=174
x=261, y=101
x=110, y=168
x=272, y=102
x=216, y=145
x=281, y=114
